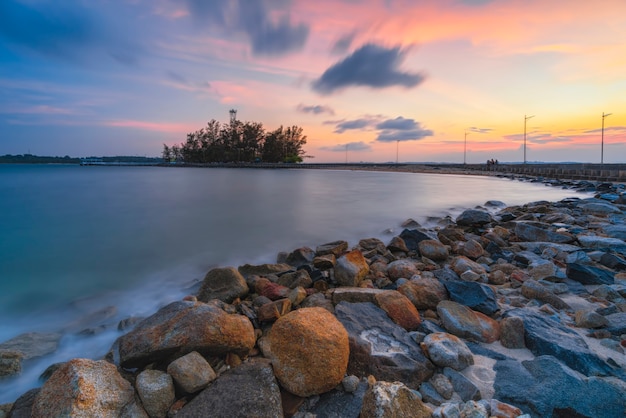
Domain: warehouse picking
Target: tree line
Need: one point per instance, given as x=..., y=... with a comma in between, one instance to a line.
x=238, y=142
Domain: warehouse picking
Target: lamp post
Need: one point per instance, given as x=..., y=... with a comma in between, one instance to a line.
x=465, y=149
x=604, y=115
x=525, y=120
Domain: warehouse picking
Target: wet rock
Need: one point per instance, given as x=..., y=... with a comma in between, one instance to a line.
x=385, y=399
x=424, y=293
x=447, y=350
x=309, y=351
x=466, y=323
x=545, y=336
x=300, y=256
x=589, y=319
x=33, y=344
x=433, y=250
x=225, y=284
x=351, y=269
x=156, y=390
x=191, y=372
x=399, y=308
x=476, y=296
x=404, y=268
x=248, y=270
x=381, y=348
x=248, y=390
x=462, y=385
x=83, y=388
x=336, y=248
x=588, y=274
x=512, y=332
x=544, y=387
x=412, y=238
x=527, y=232
x=473, y=217
x=182, y=327
x=533, y=290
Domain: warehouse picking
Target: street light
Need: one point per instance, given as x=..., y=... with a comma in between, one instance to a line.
x=525, y=120
x=465, y=149
x=604, y=115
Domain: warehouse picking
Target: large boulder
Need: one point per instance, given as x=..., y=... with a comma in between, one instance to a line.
x=447, y=350
x=544, y=387
x=476, y=296
x=589, y=274
x=473, y=217
x=309, y=351
x=545, y=336
x=386, y=399
x=156, y=390
x=225, y=284
x=83, y=388
x=351, y=268
x=248, y=390
x=466, y=323
x=182, y=327
x=424, y=293
x=381, y=348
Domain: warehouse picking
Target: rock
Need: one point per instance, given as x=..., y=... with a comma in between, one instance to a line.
x=544, y=387
x=601, y=243
x=462, y=385
x=424, y=293
x=399, y=308
x=182, y=327
x=381, y=348
x=83, y=388
x=298, y=278
x=271, y=290
x=442, y=385
x=309, y=351
x=156, y=391
x=397, y=244
x=355, y=294
x=338, y=404
x=385, y=399
x=615, y=231
x=461, y=264
x=447, y=350
x=350, y=383
x=590, y=319
x=412, y=238
x=600, y=208
x=503, y=410
x=512, y=332
x=351, y=269
x=372, y=244
x=10, y=363
x=429, y=394
x=541, y=270
x=225, y=284
x=318, y=300
x=336, y=248
x=466, y=323
x=433, y=250
x=324, y=262
x=404, y=268
x=191, y=372
x=300, y=256
x=270, y=312
x=23, y=406
x=33, y=344
x=545, y=336
x=588, y=274
x=248, y=390
x=533, y=290
x=617, y=323
x=473, y=217
x=528, y=232
x=476, y=296
x=248, y=270
x=472, y=249
x=473, y=409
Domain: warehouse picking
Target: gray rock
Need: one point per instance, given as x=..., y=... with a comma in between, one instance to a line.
x=590, y=319
x=596, y=243
x=191, y=372
x=617, y=323
x=612, y=261
x=156, y=390
x=527, y=232
x=615, y=231
x=10, y=363
x=338, y=404
x=476, y=296
x=33, y=344
x=473, y=217
x=412, y=238
x=23, y=406
x=512, y=332
x=462, y=385
x=543, y=387
x=447, y=350
x=600, y=208
x=545, y=336
x=248, y=390
x=337, y=248
x=248, y=270
x=300, y=278
x=442, y=385
x=300, y=256
x=430, y=394
x=351, y=269
x=588, y=274
x=385, y=399
x=225, y=284
x=533, y=290
x=380, y=347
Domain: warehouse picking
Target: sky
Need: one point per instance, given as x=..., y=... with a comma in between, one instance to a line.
x=367, y=80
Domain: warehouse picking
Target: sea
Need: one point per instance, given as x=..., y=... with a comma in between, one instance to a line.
x=83, y=247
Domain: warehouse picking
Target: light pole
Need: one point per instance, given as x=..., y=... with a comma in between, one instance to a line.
x=604, y=115
x=465, y=149
x=525, y=120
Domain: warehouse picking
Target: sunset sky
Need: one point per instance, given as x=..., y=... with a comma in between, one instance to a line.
x=375, y=77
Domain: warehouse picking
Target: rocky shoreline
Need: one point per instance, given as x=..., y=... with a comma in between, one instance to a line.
x=502, y=312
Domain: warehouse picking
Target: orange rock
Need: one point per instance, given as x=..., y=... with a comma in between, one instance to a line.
x=351, y=268
x=309, y=351
x=399, y=308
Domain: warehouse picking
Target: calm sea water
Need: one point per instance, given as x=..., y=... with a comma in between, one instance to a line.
x=74, y=240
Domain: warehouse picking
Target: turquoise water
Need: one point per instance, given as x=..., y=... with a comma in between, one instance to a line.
x=77, y=239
